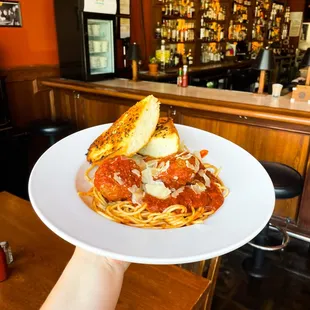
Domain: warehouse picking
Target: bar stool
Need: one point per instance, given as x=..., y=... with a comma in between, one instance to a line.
x=288, y=183
x=52, y=129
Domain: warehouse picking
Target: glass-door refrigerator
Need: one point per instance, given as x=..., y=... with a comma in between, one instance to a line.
x=86, y=40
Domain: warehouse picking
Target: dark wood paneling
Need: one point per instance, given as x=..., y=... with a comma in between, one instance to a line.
x=27, y=100
x=264, y=144
x=142, y=27
x=239, y=109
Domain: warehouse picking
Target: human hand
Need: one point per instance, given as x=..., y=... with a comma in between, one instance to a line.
x=99, y=261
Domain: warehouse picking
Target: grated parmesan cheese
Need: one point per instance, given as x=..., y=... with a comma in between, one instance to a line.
x=137, y=194
x=198, y=188
x=198, y=155
x=118, y=179
x=136, y=172
x=139, y=161
x=177, y=192
x=194, y=168
x=205, y=177
x=147, y=177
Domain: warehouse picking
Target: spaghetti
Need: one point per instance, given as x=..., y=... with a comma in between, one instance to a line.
x=171, y=192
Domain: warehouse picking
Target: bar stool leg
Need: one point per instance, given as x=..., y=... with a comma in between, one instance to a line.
x=52, y=140
x=258, y=265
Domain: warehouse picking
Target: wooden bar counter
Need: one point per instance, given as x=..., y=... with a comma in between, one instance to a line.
x=269, y=128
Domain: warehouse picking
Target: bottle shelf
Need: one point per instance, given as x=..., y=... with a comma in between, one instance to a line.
x=239, y=24
x=244, y=5
x=214, y=21
x=206, y=42
x=174, y=42
x=169, y=17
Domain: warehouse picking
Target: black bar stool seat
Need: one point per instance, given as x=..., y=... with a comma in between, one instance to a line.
x=52, y=129
x=288, y=183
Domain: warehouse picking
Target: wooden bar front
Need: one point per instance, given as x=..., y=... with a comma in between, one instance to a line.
x=268, y=128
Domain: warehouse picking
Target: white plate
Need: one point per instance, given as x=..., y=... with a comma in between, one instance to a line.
x=247, y=209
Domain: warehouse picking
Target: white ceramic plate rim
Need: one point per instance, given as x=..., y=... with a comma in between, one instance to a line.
x=87, y=239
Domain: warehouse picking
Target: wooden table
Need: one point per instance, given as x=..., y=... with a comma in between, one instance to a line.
x=40, y=256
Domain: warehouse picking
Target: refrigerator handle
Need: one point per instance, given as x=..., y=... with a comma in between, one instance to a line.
x=77, y=12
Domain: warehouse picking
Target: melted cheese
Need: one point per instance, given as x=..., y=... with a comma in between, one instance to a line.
x=158, y=190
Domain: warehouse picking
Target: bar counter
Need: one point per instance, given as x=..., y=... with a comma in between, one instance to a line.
x=272, y=129
x=208, y=70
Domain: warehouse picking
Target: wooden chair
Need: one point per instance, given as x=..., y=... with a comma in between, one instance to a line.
x=208, y=269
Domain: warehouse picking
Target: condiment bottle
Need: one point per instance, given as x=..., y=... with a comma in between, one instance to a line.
x=185, y=77
x=3, y=266
x=180, y=77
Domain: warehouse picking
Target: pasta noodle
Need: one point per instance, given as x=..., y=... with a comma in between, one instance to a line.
x=125, y=212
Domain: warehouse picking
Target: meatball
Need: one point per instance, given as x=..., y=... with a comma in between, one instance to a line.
x=115, y=176
x=181, y=170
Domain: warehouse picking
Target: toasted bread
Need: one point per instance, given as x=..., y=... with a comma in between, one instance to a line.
x=129, y=133
x=165, y=140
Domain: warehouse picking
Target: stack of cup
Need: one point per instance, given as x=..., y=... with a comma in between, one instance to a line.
x=276, y=90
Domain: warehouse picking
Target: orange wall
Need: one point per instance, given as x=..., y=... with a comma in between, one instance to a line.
x=35, y=42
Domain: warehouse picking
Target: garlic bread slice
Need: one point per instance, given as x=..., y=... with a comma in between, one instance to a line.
x=129, y=133
x=165, y=140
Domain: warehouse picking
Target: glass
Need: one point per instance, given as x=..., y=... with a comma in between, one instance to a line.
x=101, y=46
x=124, y=7
x=124, y=28
x=276, y=90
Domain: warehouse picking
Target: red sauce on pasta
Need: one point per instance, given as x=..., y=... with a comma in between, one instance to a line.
x=115, y=176
x=178, y=174
x=212, y=198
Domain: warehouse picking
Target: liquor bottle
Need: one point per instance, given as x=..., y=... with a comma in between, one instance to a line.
x=163, y=56
x=190, y=58
x=163, y=31
x=222, y=34
x=174, y=33
x=193, y=9
x=184, y=58
x=207, y=34
x=202, y=30
x=170, y=10
x=171, y=58
x=176, y=58
x=158, y=31
x=177, y=34
x=182, y=35
x=185, y=34
x=168, y=32
x=231, y=31
x=180, y=59
x=176, y=11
